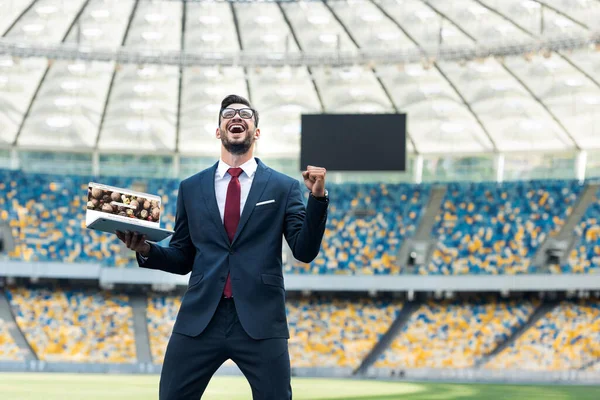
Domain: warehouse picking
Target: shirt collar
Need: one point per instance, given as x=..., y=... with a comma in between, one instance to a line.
x=249, y=167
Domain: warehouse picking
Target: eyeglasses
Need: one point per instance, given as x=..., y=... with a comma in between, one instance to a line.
x=245, y=113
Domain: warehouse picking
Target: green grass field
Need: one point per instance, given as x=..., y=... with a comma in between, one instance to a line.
x=137, y=387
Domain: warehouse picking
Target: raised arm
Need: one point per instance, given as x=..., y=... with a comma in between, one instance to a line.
x=305, y=226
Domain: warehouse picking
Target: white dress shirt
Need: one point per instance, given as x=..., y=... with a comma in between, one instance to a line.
x=222, y=179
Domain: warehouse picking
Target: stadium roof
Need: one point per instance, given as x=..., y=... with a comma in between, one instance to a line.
x=472, y=75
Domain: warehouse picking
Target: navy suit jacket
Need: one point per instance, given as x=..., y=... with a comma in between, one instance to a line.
x=200, y=245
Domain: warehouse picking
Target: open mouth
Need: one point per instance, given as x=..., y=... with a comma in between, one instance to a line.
x=236, y=128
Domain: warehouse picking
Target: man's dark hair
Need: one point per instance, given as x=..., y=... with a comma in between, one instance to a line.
x=235, y=99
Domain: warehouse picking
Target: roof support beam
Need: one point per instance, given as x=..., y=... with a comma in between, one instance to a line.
x=556, y=10
x=180, y=87
x=25, y=11
x=291, y=28
x=492, y=9
x=239, y=37
x=443, y=15
x=435, y=64
x=541, y=103
x=523, y=83
x=373, y=71
x=43, y=79
x=537, y=99
x=112, y=79
x=595, y=80
x=533, y=35
x=256, y=58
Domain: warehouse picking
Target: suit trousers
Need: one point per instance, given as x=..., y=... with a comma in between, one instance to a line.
x=190, y=362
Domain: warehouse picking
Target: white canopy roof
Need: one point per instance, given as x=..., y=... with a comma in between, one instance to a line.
x=533, y=102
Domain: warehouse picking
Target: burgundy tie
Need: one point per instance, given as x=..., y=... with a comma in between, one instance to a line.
x=231, y=218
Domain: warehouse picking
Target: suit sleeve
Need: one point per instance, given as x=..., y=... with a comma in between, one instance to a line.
x=178, y=258
x=304, y=226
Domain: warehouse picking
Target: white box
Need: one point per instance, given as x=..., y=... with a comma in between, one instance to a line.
x=111, y=208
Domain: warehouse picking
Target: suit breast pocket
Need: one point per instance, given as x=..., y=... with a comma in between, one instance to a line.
x=261, y=207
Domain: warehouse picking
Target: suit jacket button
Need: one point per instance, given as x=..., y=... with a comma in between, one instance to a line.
x=230, y=251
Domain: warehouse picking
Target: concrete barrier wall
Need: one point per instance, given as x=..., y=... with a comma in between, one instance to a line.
x=486, y=375
x=296, y=282
x=88, y=368
x=418, y=374
x=147, y=368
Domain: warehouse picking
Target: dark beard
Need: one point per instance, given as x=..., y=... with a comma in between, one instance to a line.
x=237, y=148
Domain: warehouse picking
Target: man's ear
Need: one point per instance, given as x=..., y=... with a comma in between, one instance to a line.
x=256, y=134
x=218, y=133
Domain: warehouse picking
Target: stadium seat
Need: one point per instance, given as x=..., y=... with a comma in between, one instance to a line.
x=567, y=338
x=75, y=325
x=161, y=313
x=491, y=228
x=323, y=332
x=336, y=333
x=585, y=256
x=9, y=351
x=365, y=228
x=483, y=228
x=454, y=334
x=47, y=216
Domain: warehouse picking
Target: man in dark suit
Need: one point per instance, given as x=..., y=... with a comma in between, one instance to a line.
x=228, y=232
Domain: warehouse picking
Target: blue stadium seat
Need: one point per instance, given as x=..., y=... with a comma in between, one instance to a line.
x=567, y=338
x=324, y=332
x=483, y=228
x=585, y=256
x=366, y=226
x=47, y=216
x=491, y=228
x=9, y=351
x=455, y=333
x=75, y=325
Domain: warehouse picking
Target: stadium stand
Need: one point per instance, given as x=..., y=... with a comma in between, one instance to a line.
x=366, y=243
x=8, y=348
x=483, y=228
x=455, y=333
x=490, y=228
x=336, y=332
x=566, y=338
x=323, y=331
x=585, y=256
x=161, y=313
x=47, y=212
x=75, y=325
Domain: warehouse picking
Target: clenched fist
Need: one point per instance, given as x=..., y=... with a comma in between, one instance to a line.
x=134, y=241
x=314, y=179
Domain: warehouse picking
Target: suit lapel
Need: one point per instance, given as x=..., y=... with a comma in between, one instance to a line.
x=259, y=183
x=207, y=184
